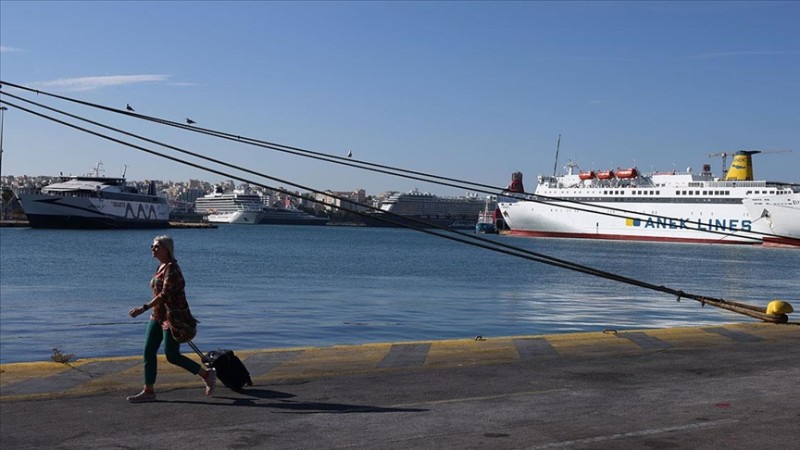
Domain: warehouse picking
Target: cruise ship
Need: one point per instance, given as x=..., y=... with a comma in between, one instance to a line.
x=449, y=212
x=241, y=206
x=670, y=207
x=95, y=202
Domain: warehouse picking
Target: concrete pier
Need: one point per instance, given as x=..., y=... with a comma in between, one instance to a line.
x=733, y=386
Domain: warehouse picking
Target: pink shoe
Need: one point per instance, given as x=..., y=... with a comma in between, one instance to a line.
x=210, y=380
x=142, y=397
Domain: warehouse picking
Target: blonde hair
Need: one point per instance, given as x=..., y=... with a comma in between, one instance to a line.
x=166, y=242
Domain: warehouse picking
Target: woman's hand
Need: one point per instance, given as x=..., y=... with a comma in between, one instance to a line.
x=136, y=311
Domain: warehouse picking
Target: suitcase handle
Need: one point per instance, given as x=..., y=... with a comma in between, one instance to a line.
x=197, y=350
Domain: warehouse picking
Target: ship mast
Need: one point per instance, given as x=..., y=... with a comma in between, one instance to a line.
x=558, y=146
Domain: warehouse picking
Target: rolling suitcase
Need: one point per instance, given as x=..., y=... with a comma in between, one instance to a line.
x=230, y=369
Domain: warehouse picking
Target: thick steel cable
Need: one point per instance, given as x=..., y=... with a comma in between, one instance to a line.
x=453, y=235
x=364, y=165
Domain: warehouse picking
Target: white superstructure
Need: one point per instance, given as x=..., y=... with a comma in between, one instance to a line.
x=426, y=208
x=241, y=206
x=675, y=207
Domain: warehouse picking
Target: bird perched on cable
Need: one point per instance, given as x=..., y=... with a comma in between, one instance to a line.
x=189, y=121
x=349, y=153
x=128, y=107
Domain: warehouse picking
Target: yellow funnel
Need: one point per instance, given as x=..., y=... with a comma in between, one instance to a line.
x=741, y=167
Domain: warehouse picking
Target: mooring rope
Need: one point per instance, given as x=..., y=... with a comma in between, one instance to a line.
x=442, y=232
x=588, y=207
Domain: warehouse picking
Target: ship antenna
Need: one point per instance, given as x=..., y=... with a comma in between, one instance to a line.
x=124, y=170
x=558, y=146
x=97, y=169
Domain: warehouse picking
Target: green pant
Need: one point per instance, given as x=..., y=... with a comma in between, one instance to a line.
x=172, y=349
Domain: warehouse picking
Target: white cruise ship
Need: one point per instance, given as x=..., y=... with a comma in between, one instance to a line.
x=670, y=207
x=95, y=202
x=241, y=206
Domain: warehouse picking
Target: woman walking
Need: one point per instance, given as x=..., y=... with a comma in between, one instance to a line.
x=168, y=291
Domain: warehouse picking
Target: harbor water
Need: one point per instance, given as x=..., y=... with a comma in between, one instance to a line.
x=259, y=287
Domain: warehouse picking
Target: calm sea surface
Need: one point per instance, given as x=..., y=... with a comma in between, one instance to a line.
x=267, y=286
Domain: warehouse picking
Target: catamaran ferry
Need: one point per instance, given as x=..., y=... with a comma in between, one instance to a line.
x=671, y=207
x=94, y=201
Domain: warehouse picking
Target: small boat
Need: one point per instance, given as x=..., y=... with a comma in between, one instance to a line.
x=487, y=219
x=627, y=173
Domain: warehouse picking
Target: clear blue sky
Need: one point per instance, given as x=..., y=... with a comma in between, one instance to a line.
x=472, y=90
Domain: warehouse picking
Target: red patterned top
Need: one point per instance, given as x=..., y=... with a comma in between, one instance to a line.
x=168, y=286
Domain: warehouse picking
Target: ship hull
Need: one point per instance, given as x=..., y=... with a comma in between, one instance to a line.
x=721, y=223
x=49, y=211
x=236, y=218
x=781, y=216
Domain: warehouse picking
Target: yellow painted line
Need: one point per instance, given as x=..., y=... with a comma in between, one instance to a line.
x=592, y=344
x=769, y=331
x=470, y=351
x=15, y=372
x=311, y=362
x=333, y=360
x=690, y=337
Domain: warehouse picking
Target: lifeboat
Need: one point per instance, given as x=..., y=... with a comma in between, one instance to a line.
x=627, y=173
x=605, y=174
x=587, y=175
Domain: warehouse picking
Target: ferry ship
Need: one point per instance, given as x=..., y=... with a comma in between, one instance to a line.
x=241, y=206
x=670, y=207
x=95, y=202
x=430, y=209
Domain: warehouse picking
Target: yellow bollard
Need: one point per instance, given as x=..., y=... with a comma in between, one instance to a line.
x=778, y=307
